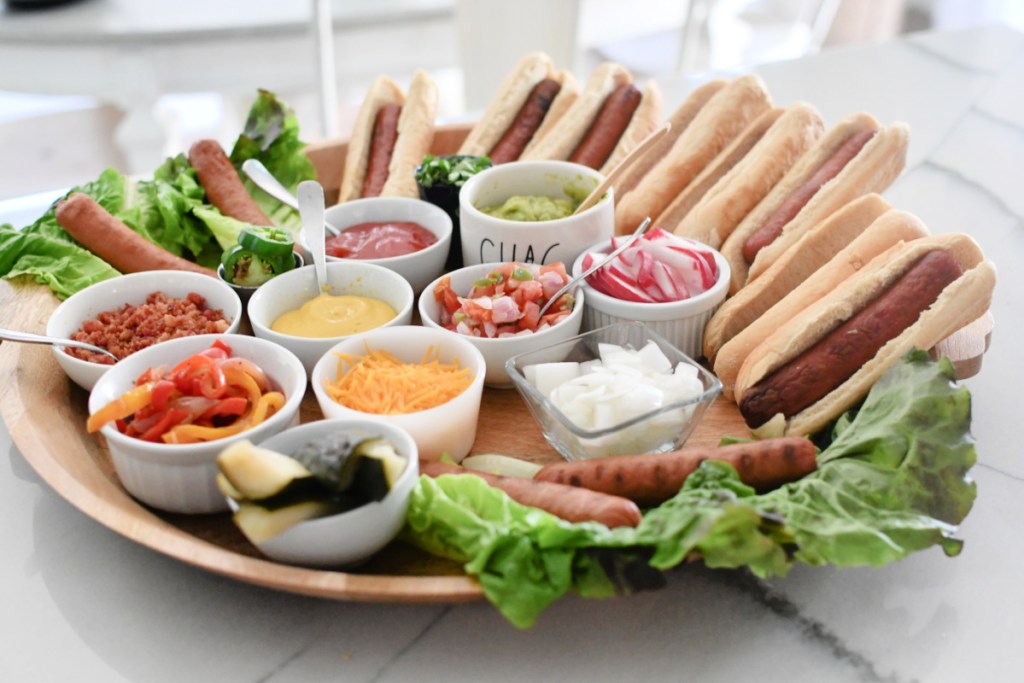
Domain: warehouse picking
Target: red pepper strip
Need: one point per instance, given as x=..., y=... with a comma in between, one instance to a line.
x=215, y=352
x=171, y=418
x=236, y=405
x=211, y=382
x=162, y=392
x=223, y=346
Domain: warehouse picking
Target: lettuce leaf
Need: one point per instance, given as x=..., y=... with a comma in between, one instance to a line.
x=892, y=480
x=169, y=209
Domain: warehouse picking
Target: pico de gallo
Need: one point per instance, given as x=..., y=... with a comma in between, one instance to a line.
x=506, y=302
x=209, y=395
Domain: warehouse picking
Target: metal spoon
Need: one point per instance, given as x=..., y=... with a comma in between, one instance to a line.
x=311, y=208
x=597, y=266
x=265, y=180
x=29, y=338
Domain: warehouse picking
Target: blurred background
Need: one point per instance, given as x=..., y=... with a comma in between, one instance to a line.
x=87, y=84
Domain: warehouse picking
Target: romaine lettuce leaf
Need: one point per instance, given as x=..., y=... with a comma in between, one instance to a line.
x=892, y=480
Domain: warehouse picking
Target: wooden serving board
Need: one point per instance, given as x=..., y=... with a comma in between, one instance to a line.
x=46, y=413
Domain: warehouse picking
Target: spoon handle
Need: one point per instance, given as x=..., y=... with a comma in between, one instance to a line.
x=265, y=180
x=29, y=338
x=627, y=161
x=597, y=266
x=311, y=208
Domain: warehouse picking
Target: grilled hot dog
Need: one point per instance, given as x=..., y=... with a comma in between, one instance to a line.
x=113, y=241
x=823, y=360
x=223, y=187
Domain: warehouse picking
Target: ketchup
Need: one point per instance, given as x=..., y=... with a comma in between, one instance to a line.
x=380, y=240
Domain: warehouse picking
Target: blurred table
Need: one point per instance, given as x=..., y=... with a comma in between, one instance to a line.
x=82, y=603
x=130, y=52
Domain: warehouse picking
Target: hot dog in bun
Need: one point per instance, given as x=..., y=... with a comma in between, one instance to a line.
x=855, y=157
x=531, y=99
x=717, y=124
x=610, y=117
x=753, y=163
x=392, y=133
x=825, y=359
x=822, y=258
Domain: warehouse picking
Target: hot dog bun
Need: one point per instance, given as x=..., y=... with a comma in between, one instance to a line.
x=959, y=302
x=679, y=120
x=717, y=124
x=564, y=137
x=821, y=259
x=873, y=168
x=415, y=135
x=715, y=214
x=512, y=95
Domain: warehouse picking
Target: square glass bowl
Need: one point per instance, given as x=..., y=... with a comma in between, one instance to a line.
x=663, y=429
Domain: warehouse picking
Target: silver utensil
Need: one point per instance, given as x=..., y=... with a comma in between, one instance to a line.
x=29, y=338
x=597, y=266
x=311, y=208
x=265, y=180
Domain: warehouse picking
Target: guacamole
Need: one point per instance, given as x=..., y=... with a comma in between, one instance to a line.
x=532, y=209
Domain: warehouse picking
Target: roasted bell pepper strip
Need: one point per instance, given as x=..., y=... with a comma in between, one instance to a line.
x=170, y=418
x=121, y=407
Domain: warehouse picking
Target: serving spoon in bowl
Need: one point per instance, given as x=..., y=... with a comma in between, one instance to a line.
x=634, y=155
x=29, y=338
x=311, y=208
x=265, y=180
x=596, y=267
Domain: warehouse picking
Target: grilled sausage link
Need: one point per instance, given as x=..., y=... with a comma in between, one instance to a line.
x=382, y=146
x=223, y=187
x=526, y=123
x=608, y=126
x=808, y=378
x=788, y=210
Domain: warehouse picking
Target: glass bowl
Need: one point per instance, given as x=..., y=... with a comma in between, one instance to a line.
x=662, y=429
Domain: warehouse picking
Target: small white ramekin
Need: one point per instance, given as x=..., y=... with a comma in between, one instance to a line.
x=681, y=323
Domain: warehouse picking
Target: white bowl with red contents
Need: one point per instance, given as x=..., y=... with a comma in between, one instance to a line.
x=399, y=222
x=133, y=290
x=496, y=349
x=684, y=268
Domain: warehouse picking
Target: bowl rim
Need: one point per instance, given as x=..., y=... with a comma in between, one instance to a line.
x=64, y=306
x=427, y=321
x=706, y=299
x=330, y=357
x=408, y=297
x=156, y=451
x=465, y=203
x=524, y=386
x=443, y=237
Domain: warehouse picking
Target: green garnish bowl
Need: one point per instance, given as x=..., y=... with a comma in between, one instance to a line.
x=443, y=191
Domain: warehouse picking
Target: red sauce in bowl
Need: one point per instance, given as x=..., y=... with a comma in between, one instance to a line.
x=380, y=240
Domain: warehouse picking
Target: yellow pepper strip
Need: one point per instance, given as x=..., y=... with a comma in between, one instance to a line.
x=121, y=407
x=239, y=379
x=269, y=403
x=192, y=433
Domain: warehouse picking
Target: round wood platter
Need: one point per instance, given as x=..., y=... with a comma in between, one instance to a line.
x=45, y=413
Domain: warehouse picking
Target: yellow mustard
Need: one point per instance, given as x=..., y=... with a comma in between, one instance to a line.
x=334, y=316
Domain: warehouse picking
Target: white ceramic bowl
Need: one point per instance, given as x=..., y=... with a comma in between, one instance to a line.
x=486, y=239
x=418, y=268
x=181, y=477
x=498, y=350
x=133, y=289
x=350, y=537
x=290, y=290
x=449, y=428
x=680, y=322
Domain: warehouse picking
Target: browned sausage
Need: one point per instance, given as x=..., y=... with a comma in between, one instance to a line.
x=604, y=133
x=113, y=241
x=653, y=478
x=812, y=375
x=382, y=146
x=565, y=502
x=526, y=123
x=772, y=228
x=223, y=187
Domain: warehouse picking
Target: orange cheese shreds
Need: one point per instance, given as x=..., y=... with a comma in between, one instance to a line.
x=381, y=384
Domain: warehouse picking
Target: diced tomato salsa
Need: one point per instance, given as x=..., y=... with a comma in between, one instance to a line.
x=507, y=302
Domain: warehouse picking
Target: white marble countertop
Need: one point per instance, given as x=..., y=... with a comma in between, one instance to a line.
x=82, y=603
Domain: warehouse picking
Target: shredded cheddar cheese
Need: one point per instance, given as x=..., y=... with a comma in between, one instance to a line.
x=380, y=384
